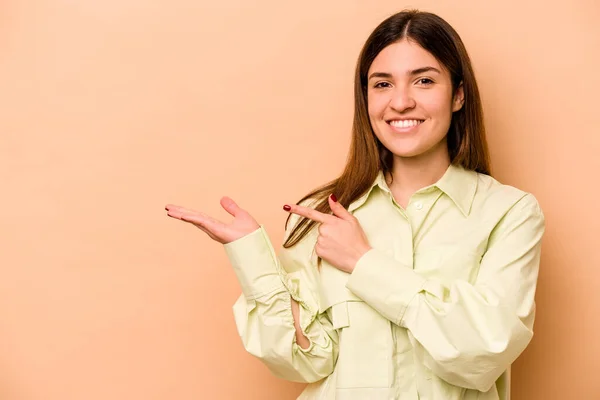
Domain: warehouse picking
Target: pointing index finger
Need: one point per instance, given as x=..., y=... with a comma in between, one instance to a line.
x=309, y=213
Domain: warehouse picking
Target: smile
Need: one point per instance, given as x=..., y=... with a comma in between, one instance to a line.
x=407, y=123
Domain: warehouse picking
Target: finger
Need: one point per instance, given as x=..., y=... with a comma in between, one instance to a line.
x=215, y=229
x=179, y=209
x=179, y=212
x=195, y=217
x=338, y=209
x=170, y=207
x=309, y=213
x=231, y=207
x=205, y=222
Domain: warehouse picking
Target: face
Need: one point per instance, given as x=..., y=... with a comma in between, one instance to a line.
x=410, y=101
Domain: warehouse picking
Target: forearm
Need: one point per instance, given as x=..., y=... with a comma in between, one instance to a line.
x=277, y=316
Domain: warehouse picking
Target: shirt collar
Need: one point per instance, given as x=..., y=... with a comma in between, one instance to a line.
x=457, y=183
x=460, y=185
x=378, y=182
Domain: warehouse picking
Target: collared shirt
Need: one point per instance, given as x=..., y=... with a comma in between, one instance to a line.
x=438, y=309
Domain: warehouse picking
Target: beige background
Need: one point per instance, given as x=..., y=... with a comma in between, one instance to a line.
x=111, y=109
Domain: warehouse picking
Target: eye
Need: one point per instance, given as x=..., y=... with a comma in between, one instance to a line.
x=424, y=81
x=382, y=85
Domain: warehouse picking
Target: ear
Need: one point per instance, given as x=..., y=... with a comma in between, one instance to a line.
x=459, y=98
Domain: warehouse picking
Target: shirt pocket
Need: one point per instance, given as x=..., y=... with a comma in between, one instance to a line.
x=365, y=346
x=448, y=262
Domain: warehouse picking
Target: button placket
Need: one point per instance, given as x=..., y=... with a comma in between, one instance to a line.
x=403, y=244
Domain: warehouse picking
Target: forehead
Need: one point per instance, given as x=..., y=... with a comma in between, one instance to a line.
x=401, y=57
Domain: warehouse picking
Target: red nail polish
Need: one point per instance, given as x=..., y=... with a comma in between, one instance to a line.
x=287, y=208
x=333, y=198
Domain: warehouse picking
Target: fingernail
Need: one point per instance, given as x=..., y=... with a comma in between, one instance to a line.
x=333, y=198
x=287, y=208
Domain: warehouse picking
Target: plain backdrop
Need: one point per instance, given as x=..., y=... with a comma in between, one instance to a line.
x=111, y=109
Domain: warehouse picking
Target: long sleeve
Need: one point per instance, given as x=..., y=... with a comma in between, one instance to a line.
x=466, y=334
x=263, y=313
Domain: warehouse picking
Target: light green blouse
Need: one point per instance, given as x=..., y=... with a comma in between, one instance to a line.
x=437, y=310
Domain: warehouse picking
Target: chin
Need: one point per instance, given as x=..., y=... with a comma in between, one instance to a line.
x=415, y=148
x=406, y=154
x=406, y=151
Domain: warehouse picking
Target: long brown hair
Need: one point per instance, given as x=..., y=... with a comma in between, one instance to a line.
x=467, y=145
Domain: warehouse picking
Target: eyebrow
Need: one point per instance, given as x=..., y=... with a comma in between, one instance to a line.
x=417, y=71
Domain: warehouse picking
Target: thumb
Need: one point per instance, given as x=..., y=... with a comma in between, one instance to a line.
x=338, y=209
x=231, y=207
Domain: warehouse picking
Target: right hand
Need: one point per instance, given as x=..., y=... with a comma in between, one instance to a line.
x=242, y=225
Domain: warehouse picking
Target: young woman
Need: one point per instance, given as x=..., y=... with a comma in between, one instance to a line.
x=413, y=274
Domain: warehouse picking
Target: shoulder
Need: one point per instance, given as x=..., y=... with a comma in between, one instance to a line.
x=493, y=194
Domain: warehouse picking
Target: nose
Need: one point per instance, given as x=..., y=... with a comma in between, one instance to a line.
x=402, y=100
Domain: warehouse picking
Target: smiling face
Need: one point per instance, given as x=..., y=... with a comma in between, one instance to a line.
x=410, y=101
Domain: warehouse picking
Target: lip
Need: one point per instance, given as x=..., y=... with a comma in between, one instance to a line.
x=404, y=119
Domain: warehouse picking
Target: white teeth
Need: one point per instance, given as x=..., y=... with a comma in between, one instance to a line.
x=405, y=123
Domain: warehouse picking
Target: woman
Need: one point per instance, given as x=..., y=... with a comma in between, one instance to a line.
x=412, y=275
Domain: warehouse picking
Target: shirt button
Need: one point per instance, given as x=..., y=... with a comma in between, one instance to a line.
x=418, y=205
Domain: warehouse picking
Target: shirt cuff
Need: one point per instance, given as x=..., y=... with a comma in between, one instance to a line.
x=385, y=284
x=255, y=264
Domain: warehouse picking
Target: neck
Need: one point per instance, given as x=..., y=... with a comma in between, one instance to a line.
x=413, y=173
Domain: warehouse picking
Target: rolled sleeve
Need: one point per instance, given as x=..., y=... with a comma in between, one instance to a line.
x=385, y=284
x=263, y=312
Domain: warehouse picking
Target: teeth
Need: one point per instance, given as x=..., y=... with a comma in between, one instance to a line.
x=406, y=123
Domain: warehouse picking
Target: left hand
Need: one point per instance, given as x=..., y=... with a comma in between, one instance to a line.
x=342, y=241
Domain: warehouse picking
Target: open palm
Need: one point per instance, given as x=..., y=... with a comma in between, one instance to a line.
x=242, y=224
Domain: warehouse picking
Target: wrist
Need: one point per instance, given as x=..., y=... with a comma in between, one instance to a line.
x=359, y=255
